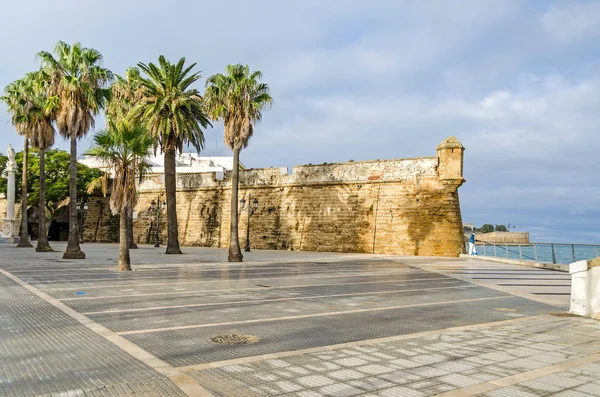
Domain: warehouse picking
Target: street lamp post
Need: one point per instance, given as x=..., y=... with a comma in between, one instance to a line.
x=252, y=205
x=156, y=206
x=83, y=207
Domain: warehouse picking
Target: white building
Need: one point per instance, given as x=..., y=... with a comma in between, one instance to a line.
x=186, y=163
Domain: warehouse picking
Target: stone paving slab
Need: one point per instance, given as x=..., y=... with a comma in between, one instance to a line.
x=239, y=312
x=132, y=302
x=182, y=347
x=293, y=302
x=422, y=366
x=43, y=352
x=185, y=284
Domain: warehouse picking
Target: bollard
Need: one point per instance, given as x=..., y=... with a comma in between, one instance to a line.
x=520, y=251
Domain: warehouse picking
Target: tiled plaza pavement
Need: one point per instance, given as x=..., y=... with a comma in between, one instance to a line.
x=327, y=324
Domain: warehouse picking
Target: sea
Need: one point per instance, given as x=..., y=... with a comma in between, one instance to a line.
x=542, y=252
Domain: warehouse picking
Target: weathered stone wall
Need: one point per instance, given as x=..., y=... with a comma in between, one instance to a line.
x=504, y=237
x=405, y=206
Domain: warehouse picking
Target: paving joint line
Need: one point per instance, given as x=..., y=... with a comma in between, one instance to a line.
x=357, y=274
x=296, y=298
x=498, y=288
x=264, y=320
x=186, y=383
x=255, y=288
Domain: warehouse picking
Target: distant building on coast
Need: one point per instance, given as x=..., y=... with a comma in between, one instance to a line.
x=510, y=238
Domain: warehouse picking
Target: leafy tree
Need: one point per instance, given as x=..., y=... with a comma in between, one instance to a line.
x=79, y=83
x=173, y=114
x=487, y=228
x=501, y=228
x=123, y=149
x=57, y=178
x=238, y=98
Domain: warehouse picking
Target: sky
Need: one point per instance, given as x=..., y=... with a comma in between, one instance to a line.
x=517, y=81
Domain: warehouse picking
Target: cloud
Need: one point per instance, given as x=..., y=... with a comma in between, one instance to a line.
x=516, y=82
x=573, y=21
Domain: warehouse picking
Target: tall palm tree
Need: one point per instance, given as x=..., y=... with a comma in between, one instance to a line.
x=123, y=148
x=39, y=122
x=173, y=113
x=238, y=98
x=125, y=93
x=79, y=83
x=17, y=96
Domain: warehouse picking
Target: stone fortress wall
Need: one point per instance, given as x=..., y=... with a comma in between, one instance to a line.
x=510, y=238
x=404, y=206
x=401, y=207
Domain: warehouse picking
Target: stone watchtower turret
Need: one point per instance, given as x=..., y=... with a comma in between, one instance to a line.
x=450, y=161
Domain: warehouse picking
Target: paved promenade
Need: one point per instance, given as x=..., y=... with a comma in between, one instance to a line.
x=318, y=324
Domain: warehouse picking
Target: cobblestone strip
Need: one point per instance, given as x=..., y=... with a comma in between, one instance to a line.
x=523, y=377
x=186, y=383
x=536, y=356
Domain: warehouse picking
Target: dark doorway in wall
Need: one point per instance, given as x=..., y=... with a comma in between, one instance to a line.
x=59, y=231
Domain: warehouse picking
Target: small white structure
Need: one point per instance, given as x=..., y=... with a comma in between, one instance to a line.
x=585, y=288
x=8, y=226
x=186, y=163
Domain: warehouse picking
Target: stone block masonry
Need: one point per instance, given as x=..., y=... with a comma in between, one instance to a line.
x=403, y=206
x=400, y=207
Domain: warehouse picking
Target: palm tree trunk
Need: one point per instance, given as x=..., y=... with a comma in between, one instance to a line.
x=73, y=250
x=171, y=190
x=24, y=241
x=124, y=259
x=235, y=253
x=42, y=243
x=132, y=244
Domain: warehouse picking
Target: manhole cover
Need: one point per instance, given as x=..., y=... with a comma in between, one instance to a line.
x=234, y=339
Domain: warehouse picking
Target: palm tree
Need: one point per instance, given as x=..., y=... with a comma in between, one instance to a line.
x=41, y=135
x=17, y=96
x=125, y=92
x=123, y=148
x=238, y=98
x=174, y=115
x=79, y=83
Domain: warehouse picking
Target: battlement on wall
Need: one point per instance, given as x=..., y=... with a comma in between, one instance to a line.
x=447, y=165
x=353, y=172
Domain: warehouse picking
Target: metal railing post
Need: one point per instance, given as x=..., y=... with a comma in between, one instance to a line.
x=484, y=251
x=596, y=250
x=506, y=248
x=495, y=254
x=553, y=255
x=520, y=252
x=573, y=252
x=535, y=252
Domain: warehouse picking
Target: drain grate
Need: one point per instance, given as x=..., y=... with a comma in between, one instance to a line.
x=234, y=339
